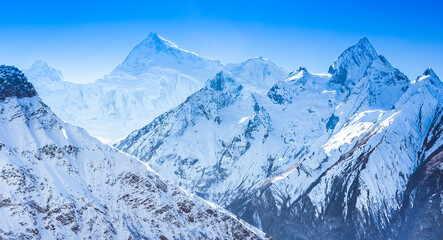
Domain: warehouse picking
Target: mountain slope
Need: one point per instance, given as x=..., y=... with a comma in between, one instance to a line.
x=363, y=183
x=318, y=156
x=58, y=182
x=420, y=215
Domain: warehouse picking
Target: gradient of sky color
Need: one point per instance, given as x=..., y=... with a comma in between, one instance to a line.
x=87, y=39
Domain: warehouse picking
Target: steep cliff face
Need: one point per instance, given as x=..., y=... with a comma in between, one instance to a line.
x=317, y=156
x=58, y=182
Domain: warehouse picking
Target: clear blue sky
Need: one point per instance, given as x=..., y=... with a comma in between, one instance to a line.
x=87, y=39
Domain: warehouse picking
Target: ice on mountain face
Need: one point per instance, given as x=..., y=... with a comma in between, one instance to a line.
x=58, y=182
x=317, y=156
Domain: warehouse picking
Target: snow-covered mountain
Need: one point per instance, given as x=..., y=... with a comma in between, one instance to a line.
x=256, y=74
x=57, y=182
x=338, y=155
x=156, y=52
x=156, y=76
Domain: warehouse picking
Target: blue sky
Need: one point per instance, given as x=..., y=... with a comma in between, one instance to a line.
x=87, y=39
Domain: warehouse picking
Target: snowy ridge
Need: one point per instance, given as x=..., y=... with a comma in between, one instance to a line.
x=155, y=77
x=324, y=156
x=257, y=74
x=61, y=183
x=157, y=52
x=42, y=73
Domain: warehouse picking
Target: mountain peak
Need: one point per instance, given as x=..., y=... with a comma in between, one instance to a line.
x=40, y=63
x=40, y=71
x=153, y=35
x=223, y=81
x=298, y=74
x=359, y=54
x=13, y=83
x=364, y=42
x=155, y=52
x=251, y=63
x=155, y=40
x=256, y=74
x=257, y=59
x=429, y=72
x=302, y=70
x=353, y=62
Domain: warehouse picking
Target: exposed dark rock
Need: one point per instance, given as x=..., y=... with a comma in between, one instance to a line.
x=13, y=83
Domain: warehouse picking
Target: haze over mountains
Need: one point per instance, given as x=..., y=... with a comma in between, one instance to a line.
x=156, y=76
x=352, y=153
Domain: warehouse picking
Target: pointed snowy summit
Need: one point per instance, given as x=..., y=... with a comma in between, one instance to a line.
x=353, y=62
x=300, y=72
x=13, y=83
x=430, y=72
x=431, y=76
x=40, y=71
x=359, y=54
x=159, y=43
x=157, y=52
x=365, y=44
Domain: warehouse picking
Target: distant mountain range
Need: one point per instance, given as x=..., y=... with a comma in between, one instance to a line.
x=352, y=153
x=156, y=76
